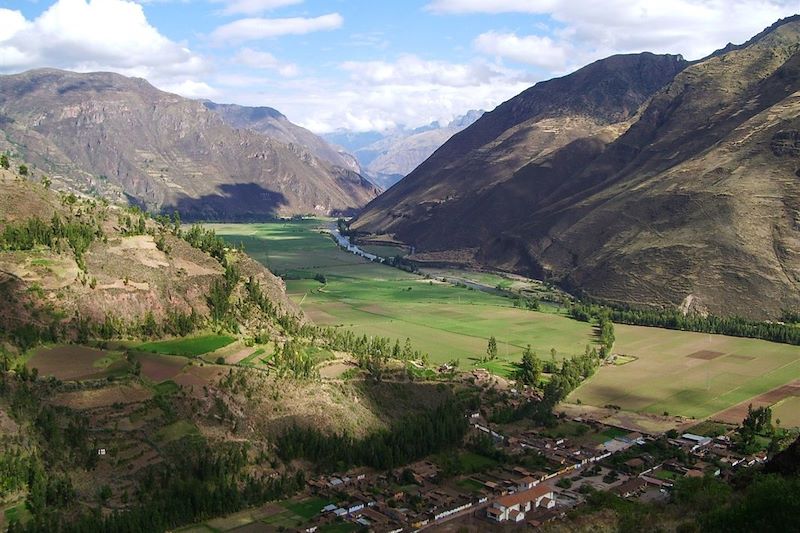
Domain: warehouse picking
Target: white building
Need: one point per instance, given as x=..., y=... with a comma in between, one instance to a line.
x=514, y=506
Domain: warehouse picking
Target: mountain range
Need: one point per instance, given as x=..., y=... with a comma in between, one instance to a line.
x=387, y=156
x=123, y=139
x=641, y=180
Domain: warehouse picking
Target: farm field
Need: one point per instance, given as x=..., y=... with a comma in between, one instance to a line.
x=70, y=362
x=372, y=299
x=674, y=372
x=188, y=347
x=689, y=374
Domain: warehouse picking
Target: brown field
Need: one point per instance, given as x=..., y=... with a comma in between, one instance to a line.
x=705, y=355
x=197, y=376
x=91, y=399
x=334, y=370
x=68, y=362
x=788, y=412
x=738, y=412
x=160, y=367
x=648, y=424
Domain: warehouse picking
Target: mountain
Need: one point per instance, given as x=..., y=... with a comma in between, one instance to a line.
x=274, y=124
x=120, y=137
x=639, y=179
x=387, y=157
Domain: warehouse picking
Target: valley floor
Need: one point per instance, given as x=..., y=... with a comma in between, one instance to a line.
x=658, y=372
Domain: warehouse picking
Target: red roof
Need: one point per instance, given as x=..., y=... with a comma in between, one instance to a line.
x=524, y=496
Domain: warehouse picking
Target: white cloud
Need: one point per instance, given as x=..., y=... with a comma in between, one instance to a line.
x=532, y=50
x=410, y=69
x=253, y=7
x=254, y=29
x=191, y=89
x=593, y=29
x=264, y=60
x=92, y=35
x=383, y=94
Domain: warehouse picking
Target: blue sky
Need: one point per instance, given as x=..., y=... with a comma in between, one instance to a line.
x=361, y=64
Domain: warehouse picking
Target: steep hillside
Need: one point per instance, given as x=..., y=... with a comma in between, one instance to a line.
x=64, y=261
x=274, y=124
x=396, y=153
x=692, y=199
x=122, y=138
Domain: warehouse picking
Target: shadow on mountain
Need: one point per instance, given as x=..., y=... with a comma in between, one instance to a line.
x=390, y=402
x=241, y=202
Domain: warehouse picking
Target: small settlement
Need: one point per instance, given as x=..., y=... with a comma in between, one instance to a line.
x=542, y=475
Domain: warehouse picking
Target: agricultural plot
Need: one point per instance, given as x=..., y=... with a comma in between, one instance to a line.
x=372, y=299
x=690, y=374
x=71, y=362
x=159, y=368
x=188, y=347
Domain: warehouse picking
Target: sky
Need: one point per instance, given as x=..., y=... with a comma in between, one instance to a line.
x=363, y=65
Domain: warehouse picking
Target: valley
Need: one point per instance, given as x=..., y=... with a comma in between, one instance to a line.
x=657, y=372
x=577, y=311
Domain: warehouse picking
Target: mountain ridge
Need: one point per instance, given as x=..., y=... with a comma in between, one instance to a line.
x=659, y=208
x=119, y=137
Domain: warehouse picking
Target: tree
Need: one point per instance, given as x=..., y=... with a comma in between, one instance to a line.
x=491, y=349
x=4, y=162
x=758, y=420
x=23, y=170
x=46, y=182
x=530, y=369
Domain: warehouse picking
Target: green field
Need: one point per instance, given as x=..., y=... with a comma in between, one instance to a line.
x=670, y=374
x=308, y=508
x=445, y=321
x=188, y=347
x=449, y=322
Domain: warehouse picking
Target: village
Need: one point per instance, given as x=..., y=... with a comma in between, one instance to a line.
x=540, y=479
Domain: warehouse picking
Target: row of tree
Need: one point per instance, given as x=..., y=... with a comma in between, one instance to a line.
x=675, y=319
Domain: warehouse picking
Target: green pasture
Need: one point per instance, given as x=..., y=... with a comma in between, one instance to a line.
x=189, y=346
x=449, y=322
x=373, y=299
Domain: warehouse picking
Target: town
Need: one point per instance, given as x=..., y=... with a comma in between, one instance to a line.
x=535, y=477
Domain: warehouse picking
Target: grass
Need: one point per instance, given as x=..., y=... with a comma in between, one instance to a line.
x=788, y=412
x=667, y=475
x=177, y=431
x=18, y=513
x=444, y=321
x=188, y=347
x=663, y=378
x=470, y=485
x=472, y=462
x=308, y=508
x=338, y=527
x=710, y=429
x=248, y=361
x=566, y=428
x=449, y=323
x=284, y=520
x=167, y=388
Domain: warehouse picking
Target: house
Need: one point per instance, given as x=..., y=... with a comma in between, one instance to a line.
x=514, y=506
x=632, y=487
x=528, y=482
